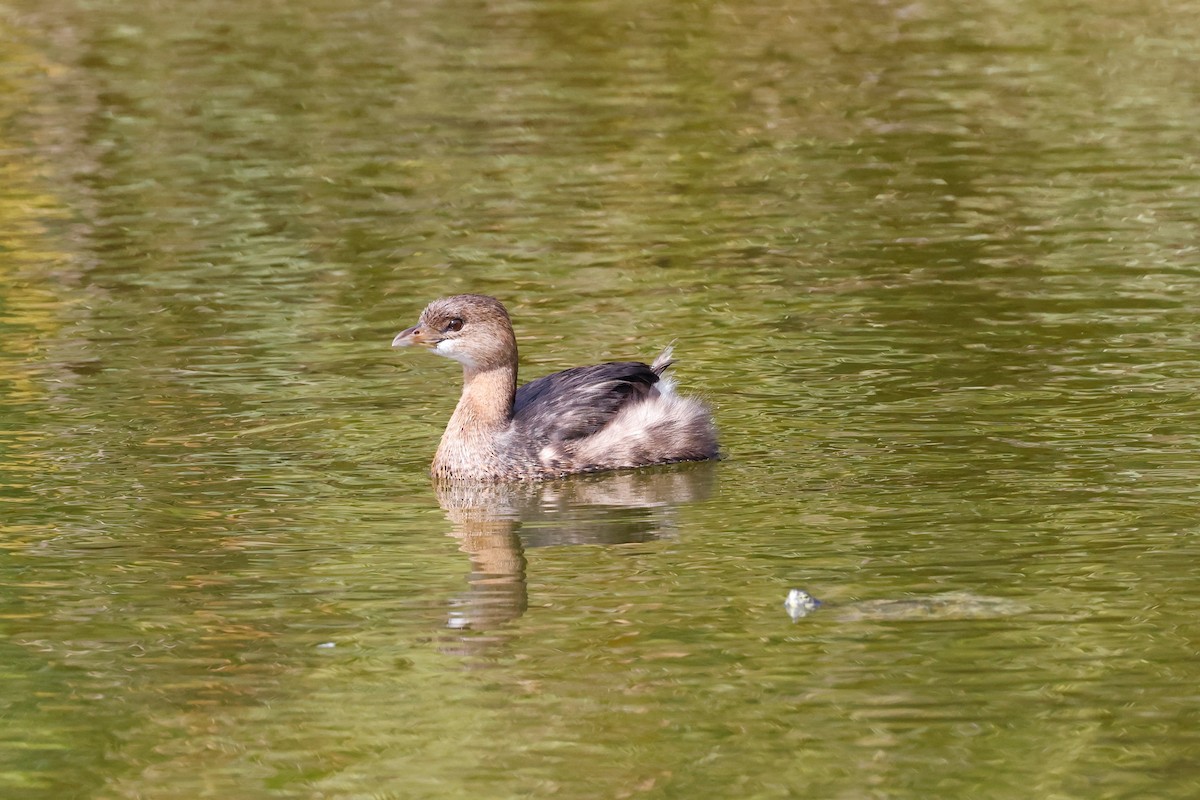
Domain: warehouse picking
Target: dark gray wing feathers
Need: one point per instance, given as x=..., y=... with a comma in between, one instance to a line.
x=578, y=402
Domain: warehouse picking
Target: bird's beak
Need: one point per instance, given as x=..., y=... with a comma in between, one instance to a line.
x=414, y=335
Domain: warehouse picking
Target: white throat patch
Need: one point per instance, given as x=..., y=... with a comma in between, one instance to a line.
x=451, y=348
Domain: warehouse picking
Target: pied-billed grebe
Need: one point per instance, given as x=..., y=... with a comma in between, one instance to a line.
x=585, y=419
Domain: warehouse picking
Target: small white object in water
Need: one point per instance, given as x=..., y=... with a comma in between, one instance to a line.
x=800, y=603
x=327, y=644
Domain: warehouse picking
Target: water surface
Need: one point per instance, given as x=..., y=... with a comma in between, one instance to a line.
x=933, y=265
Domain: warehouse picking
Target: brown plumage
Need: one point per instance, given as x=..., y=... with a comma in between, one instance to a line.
x=584, y=419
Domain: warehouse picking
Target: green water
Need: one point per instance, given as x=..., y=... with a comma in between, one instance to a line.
x=935, y=266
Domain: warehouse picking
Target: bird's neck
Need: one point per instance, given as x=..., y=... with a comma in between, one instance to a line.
x=483, y=413
x=487, y=397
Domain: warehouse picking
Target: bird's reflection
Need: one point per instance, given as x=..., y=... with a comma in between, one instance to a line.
x=495, y=523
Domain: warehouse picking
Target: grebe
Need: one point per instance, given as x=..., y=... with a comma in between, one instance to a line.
x=585, y=419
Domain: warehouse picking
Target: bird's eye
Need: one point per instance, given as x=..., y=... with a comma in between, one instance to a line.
x=454, y=324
